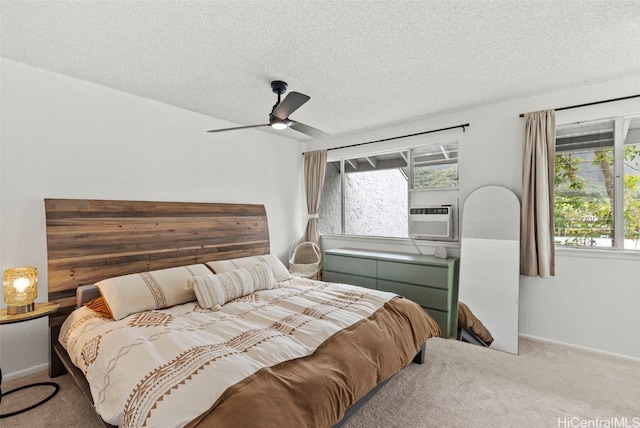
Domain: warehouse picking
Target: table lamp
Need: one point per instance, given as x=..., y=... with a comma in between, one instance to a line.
x=20, y=289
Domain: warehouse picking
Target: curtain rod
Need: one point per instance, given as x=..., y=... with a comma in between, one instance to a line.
x=594, y=103
x=463, y=126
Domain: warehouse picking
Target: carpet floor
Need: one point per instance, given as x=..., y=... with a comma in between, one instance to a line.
x=460, y=385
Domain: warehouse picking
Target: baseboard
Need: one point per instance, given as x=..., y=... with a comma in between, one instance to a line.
x=25, y=372
x=582, y=348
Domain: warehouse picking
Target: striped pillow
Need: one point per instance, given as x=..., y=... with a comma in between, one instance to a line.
x=279, y=270
x=145, y=291
x=214, y=290
x=262, y=276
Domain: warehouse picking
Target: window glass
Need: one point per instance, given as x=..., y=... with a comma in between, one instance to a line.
x=376, y=203
x=631, y=183
x=589, y=191
x=435, y=166
x=329, y=212
x=583, y=184
x=375, y=196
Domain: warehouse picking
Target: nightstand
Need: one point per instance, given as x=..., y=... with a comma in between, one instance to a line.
x=41, y=310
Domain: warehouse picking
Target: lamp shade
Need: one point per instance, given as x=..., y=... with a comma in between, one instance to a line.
x=20, y=289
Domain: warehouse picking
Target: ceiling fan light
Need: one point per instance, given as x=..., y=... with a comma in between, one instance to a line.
x=277, y=123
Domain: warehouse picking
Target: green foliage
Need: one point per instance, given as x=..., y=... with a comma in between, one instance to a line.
x=566, y=171
x=435, y=177
x=632, y=206
x=583, y=206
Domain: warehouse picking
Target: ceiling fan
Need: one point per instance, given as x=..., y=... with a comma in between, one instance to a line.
x=279, y=116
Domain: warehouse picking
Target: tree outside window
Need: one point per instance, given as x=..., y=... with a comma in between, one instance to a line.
x=597, y=173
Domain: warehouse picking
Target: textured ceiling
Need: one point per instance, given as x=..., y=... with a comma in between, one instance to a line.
x=365, y=64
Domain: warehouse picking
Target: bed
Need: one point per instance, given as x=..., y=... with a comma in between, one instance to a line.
x=286, y=352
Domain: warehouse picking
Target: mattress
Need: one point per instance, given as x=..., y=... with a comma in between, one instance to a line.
x=294, y=356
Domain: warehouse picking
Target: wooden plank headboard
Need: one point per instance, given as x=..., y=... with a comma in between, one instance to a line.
x=91, y=240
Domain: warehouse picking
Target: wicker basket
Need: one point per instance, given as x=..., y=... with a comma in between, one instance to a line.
x=304, y=261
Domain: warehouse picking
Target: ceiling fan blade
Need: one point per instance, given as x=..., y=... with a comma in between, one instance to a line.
x=291, y=103
x=310, y=131
x=238, y=127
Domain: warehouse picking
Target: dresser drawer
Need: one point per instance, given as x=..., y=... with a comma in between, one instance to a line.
x=344, y=278
x=424, y=296
x=442, y=319
x=433, y=276
x=350, y=265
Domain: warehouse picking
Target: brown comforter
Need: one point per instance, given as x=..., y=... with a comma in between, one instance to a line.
x=317, y=390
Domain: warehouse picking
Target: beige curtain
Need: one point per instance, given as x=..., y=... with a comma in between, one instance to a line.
x=537, y=255
x=315, y=164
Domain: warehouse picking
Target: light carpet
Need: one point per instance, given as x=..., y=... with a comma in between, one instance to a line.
x=460, y=385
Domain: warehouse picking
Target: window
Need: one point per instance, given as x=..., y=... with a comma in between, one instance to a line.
x=597, y=184
x=375, y=190
x=371, y=198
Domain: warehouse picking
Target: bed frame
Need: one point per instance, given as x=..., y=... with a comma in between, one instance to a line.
x=91, y=240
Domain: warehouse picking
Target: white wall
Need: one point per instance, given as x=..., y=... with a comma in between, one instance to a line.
x=593, y=300
x=65, y=138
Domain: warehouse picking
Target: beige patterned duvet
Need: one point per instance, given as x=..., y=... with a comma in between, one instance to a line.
x=177, y=366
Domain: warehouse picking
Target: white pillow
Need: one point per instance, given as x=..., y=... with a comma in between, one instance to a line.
x=214, y=290
x=279, y=270
x=146, y=291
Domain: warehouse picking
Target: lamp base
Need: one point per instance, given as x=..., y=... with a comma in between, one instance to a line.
x=20, y=309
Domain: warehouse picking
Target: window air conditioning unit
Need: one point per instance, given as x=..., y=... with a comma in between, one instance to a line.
x=431, y=222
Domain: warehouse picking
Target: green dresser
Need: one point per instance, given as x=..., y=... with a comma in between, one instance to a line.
x=429, y=281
